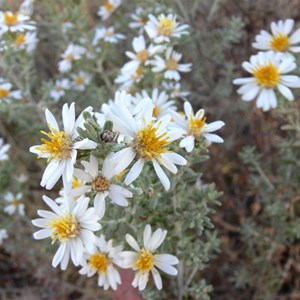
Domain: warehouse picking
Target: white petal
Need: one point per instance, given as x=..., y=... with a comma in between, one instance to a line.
x=132, y=242
x=161, y=175
x=135, y=171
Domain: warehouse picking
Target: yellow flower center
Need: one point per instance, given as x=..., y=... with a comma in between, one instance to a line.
x=109, y=33
x=79, y=80
x=138, y=74
x=108, y=6
x=171, y=64
x=165, y=26
x=3, y=93
x=145, y=261
x=280, y=43
x=10, y=19
x=59, y=88
x=76, y=182
x=100, y=184
x=156, y=111
x=59, y=146
x=99, y=261
x=20, y=40
x=69, y=57
x=148, y=144
x=15, y=203
x=196, y=126
x=64, y=228
x=142, y=55
x=267, y=76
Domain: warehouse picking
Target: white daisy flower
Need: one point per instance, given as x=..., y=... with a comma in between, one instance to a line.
x=66, y=26
x=148, y=141
x=26, y=7
x=103, y=261
x=60, y=88
x=108, y=8
x=142, y=53
x=268, y=70
x=27, y=41
x=175, y=91
x=280, y=39
x=170, y=65
x=6, y=93
x=128, y=78
x=194, y=127
x=80, y=80
x=61, y=148
x=108, y=35
x=124, y=98
x=144, y=260
x=14, y=22
x=100, y=183
x=14, y=204
x=3, y=235
x=161, y=102
x=3, y=150
x=72, y=228
x=139, y=19
x=162, y=28
x=72, y=53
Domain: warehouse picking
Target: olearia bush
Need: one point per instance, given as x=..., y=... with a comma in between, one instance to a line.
x=109, y=96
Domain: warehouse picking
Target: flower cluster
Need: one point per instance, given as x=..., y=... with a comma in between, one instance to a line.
x=17, y=30
x=269, y=70
x=145, y=131
x=101, y=158
x=157, y=55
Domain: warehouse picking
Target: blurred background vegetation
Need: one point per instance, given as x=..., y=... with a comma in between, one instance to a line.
x=257, y=168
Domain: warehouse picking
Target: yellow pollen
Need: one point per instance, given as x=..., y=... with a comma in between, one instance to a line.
x=64, y=228
x=10, y=19
x=138, y=74
x=156, y=111
x=59, y=88
x=79, y=80
x=76, y=182
x=142, y=55
x=59, y=146
x=196, y=126
x=148, y=144
x=145, y=261
x=100, y=184
x=280, y=43
x=267, y=76
x=15, y=202
x=120, y=175
x=3, y=93
x=99, y=261
x=108, y=6
x=171, y=64
x=165, y=26
x=20, y=40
